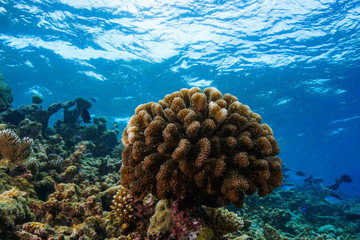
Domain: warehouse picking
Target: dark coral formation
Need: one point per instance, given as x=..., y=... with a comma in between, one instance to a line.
x=203, y=144
x=34, y=112
x=6, y=97
x=36, y=99
x=33, y=121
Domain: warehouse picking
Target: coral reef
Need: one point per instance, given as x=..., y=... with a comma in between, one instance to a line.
x=13, y=210
x=6, y=96
x=15, y=152
x=162, y=221
x=28, y=128
x=32, y=121
x=198, y=143
x=206, y=144
x=105, y=140
x=222, y=221
x=123, y=205
x=36, y=99
x=35, y=230
x=175, y=220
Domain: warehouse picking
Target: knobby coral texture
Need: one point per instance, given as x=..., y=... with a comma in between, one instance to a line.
x=122, y=204
x=222, y=221
x=15, y=151
x=203, y=145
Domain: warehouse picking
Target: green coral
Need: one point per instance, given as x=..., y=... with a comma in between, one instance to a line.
x=13, y=211
x=205, y=234
x=36, y=99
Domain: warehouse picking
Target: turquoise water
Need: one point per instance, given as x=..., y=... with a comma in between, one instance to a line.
x=297, y=64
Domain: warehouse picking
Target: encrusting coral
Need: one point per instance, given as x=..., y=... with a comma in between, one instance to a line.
x=201, y=144
x=15, y=152
x=6, y=97
x=13, y=211
x=222, y=221
x=162, y=220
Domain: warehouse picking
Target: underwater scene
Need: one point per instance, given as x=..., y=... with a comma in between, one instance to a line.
x=179, y=120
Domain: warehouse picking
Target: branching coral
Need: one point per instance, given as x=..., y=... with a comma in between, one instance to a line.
x=203, y=144
x=14, y=151
x=122, y=204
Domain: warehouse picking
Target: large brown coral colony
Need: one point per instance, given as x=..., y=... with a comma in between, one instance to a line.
x=201, y=144
x=14, y=151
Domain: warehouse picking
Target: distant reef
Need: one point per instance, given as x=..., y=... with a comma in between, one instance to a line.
x=6, y=97
x=32, y=121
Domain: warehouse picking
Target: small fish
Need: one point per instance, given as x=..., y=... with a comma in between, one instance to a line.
x=77, y=138
x=334, y=187
x=300, y=173
x=318, y=180
x=33, y=160
x=333, y=199
x=300, y=209
x=85, y=115
x=309, y=180
x=115, y=125
x=346, y=178
x=320, y=186
x=93, y=99
x=352, y=216
x=285, y=169
x=287, y=187
x=335, y=195
x=55, y=160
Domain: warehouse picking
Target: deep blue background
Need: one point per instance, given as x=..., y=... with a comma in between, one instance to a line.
x=297, y=64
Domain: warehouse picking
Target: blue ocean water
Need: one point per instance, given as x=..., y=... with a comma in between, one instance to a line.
x=296, y=63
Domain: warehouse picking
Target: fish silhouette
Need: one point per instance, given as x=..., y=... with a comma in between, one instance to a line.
x=85, y=115
x=300, y=173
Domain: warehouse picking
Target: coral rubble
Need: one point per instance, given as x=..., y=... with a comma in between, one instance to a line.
x=6, y=97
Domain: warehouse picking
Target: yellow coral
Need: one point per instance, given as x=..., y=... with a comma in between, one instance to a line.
x=205, y=234
x=14, y=151
x=123, y=205
x=162, y=220
x=222, y=221
x=12, y=193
